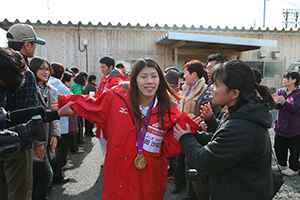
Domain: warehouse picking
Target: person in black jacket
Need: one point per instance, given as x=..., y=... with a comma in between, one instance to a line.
x=90, y=89
x=237, y=155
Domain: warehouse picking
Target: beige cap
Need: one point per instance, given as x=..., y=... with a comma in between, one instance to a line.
x=23, y=33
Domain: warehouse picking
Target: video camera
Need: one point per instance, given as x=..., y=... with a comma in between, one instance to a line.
x=14, y=138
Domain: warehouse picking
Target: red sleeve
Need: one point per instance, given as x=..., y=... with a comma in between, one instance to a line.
x=85, y=106
x=171, y=147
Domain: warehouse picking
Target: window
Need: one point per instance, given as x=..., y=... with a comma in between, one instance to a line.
x=258, y=65
x=127, y=63
x=273, y=69
x=268, y=69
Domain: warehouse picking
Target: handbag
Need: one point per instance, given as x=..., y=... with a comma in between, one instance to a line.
x=277, y=177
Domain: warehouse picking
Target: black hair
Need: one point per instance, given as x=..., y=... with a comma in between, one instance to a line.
x=17, y=46
x=75, y=69
x=119, y=66
x=67, y=76
x=12, y=69
x=36, y=63
x=220, y=58
x=109, y=61
x=58, y=69
x=293, y=75
x=237, y=74
x=182, y=75
x=91, y=77
x=257, y=75
x=80, y=78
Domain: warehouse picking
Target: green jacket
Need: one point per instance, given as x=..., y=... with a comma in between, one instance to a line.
x=76, y=89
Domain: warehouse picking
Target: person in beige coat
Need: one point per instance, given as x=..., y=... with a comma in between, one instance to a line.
x=43, y=152
x=191, y=90
x=193, y=87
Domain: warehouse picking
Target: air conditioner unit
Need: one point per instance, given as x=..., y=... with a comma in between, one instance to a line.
x=276, y=54
x=262, y=54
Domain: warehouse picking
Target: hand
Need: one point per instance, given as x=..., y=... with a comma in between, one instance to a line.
x=178, y=131
x=203, y=126
x=53, y=142
x=206, y=111
x=281, y=99
x=197, y=120
x=40, y=151
x=275, y=98
x=66, y=110
x=54, y=105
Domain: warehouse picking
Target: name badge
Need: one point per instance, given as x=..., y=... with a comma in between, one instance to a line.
x=153, y=139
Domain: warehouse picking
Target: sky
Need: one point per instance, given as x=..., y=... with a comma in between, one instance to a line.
x=239, y=13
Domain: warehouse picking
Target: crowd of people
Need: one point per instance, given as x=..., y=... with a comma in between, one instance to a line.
x=153, y=126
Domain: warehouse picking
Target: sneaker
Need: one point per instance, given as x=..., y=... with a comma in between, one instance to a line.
x=279, y=167
x=69, y=161
x=80, y=148
x=289, y=172
x=67, y=166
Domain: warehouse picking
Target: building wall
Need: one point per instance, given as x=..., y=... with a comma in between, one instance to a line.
x=62, y=46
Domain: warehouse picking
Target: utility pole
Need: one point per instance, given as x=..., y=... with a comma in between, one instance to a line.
x=264, y=20
x=48, y=9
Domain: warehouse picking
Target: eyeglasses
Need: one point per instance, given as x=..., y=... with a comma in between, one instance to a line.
x=44, y=69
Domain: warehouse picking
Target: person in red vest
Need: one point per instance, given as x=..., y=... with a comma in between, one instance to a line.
x=111, y=77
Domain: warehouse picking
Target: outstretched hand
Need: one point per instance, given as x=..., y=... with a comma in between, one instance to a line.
x=178, y=131
x=206, y=111
x=66, y=111
x=54, y=105
x=197, y=120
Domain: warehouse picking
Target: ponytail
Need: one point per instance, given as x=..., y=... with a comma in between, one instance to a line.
x=265, y=95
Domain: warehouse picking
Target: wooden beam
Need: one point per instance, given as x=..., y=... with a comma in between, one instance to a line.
x=211, y=46
x=247, y=48
x=177, y=44
x=176, y=58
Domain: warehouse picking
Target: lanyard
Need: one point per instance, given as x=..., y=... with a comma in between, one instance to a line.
x=140, y=134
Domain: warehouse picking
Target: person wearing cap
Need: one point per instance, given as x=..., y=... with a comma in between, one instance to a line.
x=172, y=77
x=16, y=172
x=194, y=86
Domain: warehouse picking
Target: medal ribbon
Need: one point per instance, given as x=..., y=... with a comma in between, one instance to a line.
x=140, y=134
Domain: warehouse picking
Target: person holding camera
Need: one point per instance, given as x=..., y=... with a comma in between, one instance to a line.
x=237, y=157
x=22, y=38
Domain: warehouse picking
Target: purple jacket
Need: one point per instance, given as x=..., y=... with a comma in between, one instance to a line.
x=288, y=118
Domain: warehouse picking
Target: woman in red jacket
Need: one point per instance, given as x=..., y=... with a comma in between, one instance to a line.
x=136, y=157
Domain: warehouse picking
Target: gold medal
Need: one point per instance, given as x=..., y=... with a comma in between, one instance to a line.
x=140, y=161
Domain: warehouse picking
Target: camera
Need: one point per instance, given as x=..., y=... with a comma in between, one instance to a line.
x=13, y=139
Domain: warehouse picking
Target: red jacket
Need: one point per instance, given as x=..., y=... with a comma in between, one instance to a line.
x=121, y=179
x=107, y=82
